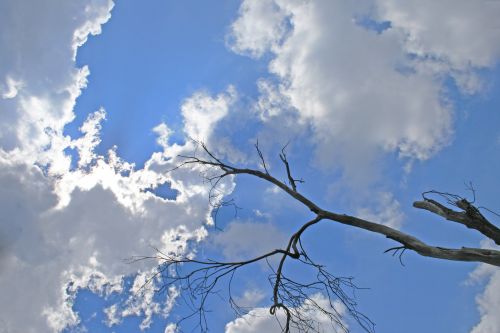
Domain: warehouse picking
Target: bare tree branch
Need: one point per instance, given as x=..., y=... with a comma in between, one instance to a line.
x=292, y=181
x=261, y=156
x=470, y=216
x=475, y=221
x=198, y=279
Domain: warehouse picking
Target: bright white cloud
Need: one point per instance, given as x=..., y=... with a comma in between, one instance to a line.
x=112, y=315
x=62, y=232
x=52, y=244
x=489, y=306
x=488, y=301
x=363, y=92
x=259, y=319
x=261, y=27
x=163, y=133
x=37, y=51
x=52, y=231
x=100, y=10
x=65, y=229
x=141, y=301
x=447, y=37
x=201, y=112
x=459, y=33
x=86, y=144
x=171, y=328
x=41, y=85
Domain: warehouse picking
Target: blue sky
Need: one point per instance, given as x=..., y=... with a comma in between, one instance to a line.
x=378, y=101
x=173, y=66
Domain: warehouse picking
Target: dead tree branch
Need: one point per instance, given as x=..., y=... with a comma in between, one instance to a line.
x=292, y=181
x=198, y=279
x=471, y=217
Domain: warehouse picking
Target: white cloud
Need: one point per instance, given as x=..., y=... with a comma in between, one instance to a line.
x=257, y=320
x=51, y=231
x=489, y=306
x=250, y=298
x=363, y=92
x=64, y=229
x=171, y=328
x=260, y=27
x=488, y=301
x=90, y=139
x=37, y=56
x=459, y=33
x=112, y=315
x=125, y=220
x=201, y=112
x=42, y=84
x=163, y=133
x=271, y=102
x=86, y=276
x=12, y=87
x=260, y=320
x=141, y=301
x=100, y=11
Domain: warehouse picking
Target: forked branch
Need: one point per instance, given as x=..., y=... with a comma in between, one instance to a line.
x=198, y=279
x=471, y=217
x=291, y=181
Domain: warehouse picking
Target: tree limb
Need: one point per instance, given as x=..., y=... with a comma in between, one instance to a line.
x=469, y=217
x=199, y=278
x=292, y=181
x=488, y=256
x=289, y=295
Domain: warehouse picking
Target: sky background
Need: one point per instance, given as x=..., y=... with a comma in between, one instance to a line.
x=379, y=101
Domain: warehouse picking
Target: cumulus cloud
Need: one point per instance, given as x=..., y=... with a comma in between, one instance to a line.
x=489, y=306
x=488, y=301
x=364, y=92
x=37, y=52
x=65, y=227
x=201, y=112
x=261, y=27
x=54, y=246
x=466, y=37
x=52, y=231
x=41, y=85
x=369, y=78
x=259, y=319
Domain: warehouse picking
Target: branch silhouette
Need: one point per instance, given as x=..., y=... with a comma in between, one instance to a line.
x=198, y=279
